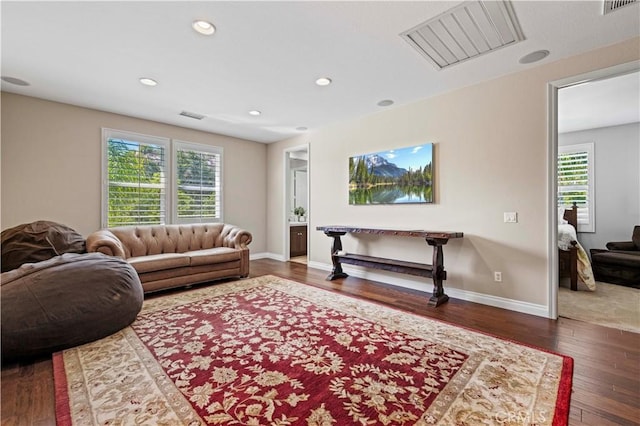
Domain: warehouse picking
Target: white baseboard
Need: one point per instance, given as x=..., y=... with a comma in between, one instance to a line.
x=266, y=255
x=470, y=296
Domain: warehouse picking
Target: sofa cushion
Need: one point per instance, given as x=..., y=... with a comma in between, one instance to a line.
x=38, y=241
x=158, y=262
x=627, y=259
x=621, y=246
x=635, y=237
x=213, y=255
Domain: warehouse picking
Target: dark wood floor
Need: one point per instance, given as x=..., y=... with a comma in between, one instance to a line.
x=606, y=381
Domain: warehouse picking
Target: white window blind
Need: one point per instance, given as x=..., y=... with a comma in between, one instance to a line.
x=198, y=189
x=135, y=187
x=575, y=182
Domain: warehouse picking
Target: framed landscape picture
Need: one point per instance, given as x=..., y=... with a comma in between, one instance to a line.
x=396, y=176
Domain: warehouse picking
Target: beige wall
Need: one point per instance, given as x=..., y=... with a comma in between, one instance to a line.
x=491, y=157
x=51, y=165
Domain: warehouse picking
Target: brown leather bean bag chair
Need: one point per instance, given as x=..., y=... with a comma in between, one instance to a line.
x=38, y=241
x=66, y=301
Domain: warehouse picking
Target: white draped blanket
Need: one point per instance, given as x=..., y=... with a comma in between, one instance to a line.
x=566, y=234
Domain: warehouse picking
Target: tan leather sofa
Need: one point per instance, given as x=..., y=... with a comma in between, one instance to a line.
x=166, y=256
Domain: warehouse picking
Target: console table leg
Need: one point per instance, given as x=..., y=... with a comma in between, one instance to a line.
x=337, y=271
x=439, y=274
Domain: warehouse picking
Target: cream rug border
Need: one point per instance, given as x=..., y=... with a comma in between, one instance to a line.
x=124, y=350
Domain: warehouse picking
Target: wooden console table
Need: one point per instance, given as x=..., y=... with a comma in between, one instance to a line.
x=435, y=270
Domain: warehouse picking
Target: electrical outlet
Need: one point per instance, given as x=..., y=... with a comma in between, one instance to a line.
x=510, y=217
x=497, y=277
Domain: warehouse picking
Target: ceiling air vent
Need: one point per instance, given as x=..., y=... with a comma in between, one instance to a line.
x=469, y=30
x=192, y=115
x=613, y=5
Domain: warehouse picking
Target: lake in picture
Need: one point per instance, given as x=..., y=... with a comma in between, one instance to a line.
x=397, y=176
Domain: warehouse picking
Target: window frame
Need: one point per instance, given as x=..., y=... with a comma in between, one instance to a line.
x=108, y=134
x=171, y=147
x=589, y=148
x=209, y=149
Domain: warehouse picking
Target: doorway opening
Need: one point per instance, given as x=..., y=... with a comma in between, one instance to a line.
x=563, y=131
x=296, y=204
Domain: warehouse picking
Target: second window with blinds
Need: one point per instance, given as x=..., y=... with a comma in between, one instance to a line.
x=576, y=184
x=155, y=180
x=197, y=183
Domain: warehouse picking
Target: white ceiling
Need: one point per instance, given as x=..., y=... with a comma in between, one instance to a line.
x=266, y=56
x=602, y=103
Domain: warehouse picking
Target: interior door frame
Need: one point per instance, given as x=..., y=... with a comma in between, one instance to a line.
x=286, y=199
x=552, y=153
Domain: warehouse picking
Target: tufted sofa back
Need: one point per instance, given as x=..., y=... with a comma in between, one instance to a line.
x=158, y=239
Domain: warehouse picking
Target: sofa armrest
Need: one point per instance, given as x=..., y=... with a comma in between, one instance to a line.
x=235, y=237
x=104, y=241
x=621, y=245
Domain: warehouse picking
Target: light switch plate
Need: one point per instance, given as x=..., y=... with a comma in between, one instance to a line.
x=510, y=217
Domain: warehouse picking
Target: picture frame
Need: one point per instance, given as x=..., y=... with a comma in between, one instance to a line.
x=395, y=176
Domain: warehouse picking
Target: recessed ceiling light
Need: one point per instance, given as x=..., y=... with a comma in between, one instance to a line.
x=16, y=81
x=385, y=102
x=255, y=112
x=536, y=56
x=203, y=27
x=323, y=81
x=301, y=129
x=148, y=81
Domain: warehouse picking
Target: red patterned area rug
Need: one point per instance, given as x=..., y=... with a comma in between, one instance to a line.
x=268, y=351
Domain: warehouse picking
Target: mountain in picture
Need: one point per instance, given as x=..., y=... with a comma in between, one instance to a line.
x=379, y=166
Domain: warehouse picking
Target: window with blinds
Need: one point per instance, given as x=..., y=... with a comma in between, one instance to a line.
x=575, y=182
x=198, y=171
x=154, y=180
x=135, y=188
